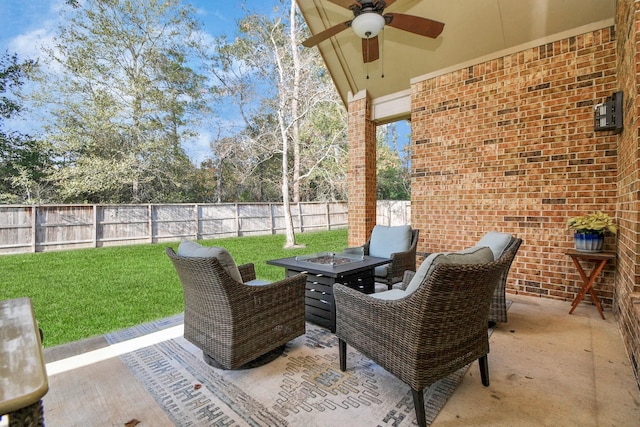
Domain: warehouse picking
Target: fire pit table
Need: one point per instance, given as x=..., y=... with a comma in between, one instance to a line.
x=324, y=269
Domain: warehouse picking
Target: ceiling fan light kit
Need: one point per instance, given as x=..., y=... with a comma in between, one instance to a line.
x=367, y=25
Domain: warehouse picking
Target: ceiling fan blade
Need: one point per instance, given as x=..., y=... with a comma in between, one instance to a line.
x=415, y=24
x=347, y=4
x=370, y=49
x=329, y=32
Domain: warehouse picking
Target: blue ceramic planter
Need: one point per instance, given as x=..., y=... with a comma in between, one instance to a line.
x=589, y=242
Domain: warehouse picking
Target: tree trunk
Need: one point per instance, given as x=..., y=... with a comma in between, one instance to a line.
x=286, y=202
x=295, y=131
x=288, y=219
x=219, y=181
x=289, y=231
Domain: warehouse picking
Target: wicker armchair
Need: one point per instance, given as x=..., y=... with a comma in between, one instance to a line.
x=234, y=323
x=498, y=309
x=393, y=272
x=429, y=334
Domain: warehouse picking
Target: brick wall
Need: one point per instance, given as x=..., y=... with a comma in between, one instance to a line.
x=627, y=289
x=509, y=145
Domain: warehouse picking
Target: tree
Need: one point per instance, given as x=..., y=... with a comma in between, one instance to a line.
x=24, y=161
x=278, y=87
x=123, y=98
x=394, y=172
x=326, y=171
x=288, y=104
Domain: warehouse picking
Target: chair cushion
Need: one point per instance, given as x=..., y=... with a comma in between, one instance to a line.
x=476, y=255
x=496, y=241
x=381, y=270
x=257, y=282
x=389, y=240
x=194, y=250
x=391, y=294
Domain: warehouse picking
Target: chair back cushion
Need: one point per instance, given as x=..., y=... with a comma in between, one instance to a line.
x=496, y=241
x=391, y=294
x=194, y=250
x=257, y=282
x=389, y=240
x=477, y=255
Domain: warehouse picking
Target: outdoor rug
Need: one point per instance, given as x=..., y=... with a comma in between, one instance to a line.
x=302, y=387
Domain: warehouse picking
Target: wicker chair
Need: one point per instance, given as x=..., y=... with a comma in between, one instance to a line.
x=429, y=334
x=393, y=272
x=498, y=309
x=234, y=323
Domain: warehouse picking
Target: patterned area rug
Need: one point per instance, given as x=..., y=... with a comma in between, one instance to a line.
x=302, y=387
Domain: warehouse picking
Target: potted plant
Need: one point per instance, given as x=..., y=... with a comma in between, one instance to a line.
x=589, y=230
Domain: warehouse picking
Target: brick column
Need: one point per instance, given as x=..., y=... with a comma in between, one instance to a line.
x=362, y=169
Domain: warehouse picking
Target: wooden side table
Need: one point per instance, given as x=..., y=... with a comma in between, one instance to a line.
x=600, y=259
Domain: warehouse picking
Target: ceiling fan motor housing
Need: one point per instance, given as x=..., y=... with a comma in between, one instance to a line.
x=367, y=7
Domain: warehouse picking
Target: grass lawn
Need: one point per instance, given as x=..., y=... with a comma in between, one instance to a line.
x=81, y=293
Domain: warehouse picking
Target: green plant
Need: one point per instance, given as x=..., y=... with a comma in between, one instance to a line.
x=596, y=222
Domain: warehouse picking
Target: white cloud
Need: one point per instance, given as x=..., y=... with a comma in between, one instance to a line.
x=198, y=148
x=29, y=45
x=38, y=31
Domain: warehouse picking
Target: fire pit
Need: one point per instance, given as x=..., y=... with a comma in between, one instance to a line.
x=331, y=258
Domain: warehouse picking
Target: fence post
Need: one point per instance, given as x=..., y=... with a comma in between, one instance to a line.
x=95, y=226
x=34, y=232
x=272, y=219
x=197, y=220
x=237, y=220
x=328, y=214
x=150, y=222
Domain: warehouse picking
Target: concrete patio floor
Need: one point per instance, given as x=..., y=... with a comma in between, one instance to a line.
x=550, y=368
x=547, y=368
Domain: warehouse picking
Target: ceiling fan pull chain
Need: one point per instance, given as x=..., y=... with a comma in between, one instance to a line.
x=382, y=54
x=367, y=63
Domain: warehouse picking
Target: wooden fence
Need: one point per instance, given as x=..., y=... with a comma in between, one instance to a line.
x=39, y=228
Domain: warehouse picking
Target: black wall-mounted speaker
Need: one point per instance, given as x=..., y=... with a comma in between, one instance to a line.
x=608, y=115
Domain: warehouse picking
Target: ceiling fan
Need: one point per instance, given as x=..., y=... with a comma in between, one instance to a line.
x=368, y=20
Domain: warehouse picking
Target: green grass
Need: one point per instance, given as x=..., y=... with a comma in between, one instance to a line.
x=82, y=293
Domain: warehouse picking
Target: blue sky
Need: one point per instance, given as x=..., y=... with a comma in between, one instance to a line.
x=22, y=20
x=25, y=24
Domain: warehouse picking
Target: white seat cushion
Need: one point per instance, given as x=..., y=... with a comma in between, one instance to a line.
x=496, y=241
x=195, y=250
x=389, y=240
x=476, y=255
